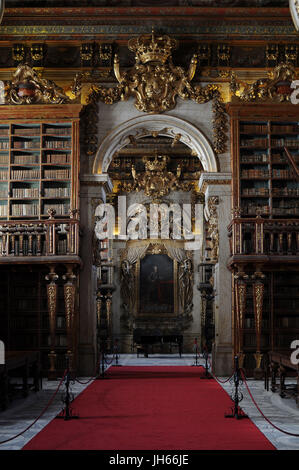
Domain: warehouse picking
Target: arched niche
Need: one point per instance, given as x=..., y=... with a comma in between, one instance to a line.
x=154, y=125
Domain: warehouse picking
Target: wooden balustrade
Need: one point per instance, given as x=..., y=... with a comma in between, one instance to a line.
x=264, y=237
x=39, y=238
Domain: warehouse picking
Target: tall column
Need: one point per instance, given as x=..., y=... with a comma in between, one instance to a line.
x=217, y=185
x=93, y=189
x=52, y=289
x=69, y=303
x=258, y=299
x=241, y=291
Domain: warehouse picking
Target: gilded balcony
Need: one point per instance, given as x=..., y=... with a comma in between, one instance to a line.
x=266, y=241
x=39, y=241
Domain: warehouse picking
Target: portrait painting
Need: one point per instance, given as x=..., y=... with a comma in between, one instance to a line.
x=156, y=284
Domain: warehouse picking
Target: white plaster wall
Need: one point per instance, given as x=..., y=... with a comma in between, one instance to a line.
x=200, y=115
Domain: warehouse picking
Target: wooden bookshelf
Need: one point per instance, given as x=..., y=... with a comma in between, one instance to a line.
x=264, y=232
x=25, y=323
x=39, y=161
x=263, y=180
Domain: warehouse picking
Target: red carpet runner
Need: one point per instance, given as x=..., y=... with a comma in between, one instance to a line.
x=145, y=408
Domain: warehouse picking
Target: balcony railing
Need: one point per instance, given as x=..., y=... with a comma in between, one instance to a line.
x=39, y=238
x=264, y=237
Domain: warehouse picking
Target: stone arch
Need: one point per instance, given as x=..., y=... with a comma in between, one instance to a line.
x=154, y=124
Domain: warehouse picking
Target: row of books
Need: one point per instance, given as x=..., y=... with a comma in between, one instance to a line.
x=250, y=322
x=254, y=173
x=25, y=174
x=251, y=208
x=294, y=143
x=4, y=145
x=60, y=322
x=281, y=173
x=286, y=203
x=25, y=192
x=23, y=322
x=254, y=128
x=57, y=158
x=57, y=192
x=285, y=191
x=278, y=158
x=24, y=209
x=250, y=341
x=3, y=210
x=61, y=209
x=26, y=131
x=57, y=174
x=4, y=131
x=284, y=341
x=3, y=174
x=26, y=144
x=284, y=129
x=23, y=159
x=57, y=144
x=285, y=211
x=257, y=142
x=58, y=130
x=255, y=192
x=287, y=322
x=60, y=340
x=3, y=159
x=263, y=157
x=3, y=193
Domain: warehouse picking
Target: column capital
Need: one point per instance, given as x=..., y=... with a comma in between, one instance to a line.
x=102, y=180
x=208, y=179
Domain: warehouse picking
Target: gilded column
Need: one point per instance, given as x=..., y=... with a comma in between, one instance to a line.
x=258, y=299
x=109, y=316
x=69, y=304
x=241, y=290
x=52, y=289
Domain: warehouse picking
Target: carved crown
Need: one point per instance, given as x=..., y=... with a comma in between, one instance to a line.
x=155, y=163
x=150, y=48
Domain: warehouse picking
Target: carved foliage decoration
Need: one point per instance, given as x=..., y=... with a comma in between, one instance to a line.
x=276, y=87
x=27, y=87
x=213, y=231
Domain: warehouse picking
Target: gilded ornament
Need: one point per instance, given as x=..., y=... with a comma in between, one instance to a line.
x=37, y=52
x=276, y=87
x=156, y=181
x=28, y=87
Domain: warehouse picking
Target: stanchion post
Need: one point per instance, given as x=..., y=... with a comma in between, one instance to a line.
x=196, y=353
x=116, y=354
x=206, y=358
x=236, y=396
x=67, y=411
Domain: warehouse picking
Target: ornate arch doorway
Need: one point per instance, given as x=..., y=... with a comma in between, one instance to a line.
x=155, y=159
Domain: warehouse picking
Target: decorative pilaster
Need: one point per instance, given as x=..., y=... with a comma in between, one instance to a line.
x=69, y=302
x=241, y=291
x=52, y=289
x=109, y=315
x=258, y=298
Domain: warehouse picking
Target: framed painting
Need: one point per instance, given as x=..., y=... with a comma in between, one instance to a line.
x=157, y=285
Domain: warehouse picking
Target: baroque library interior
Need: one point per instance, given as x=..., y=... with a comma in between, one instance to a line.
x=149, y=222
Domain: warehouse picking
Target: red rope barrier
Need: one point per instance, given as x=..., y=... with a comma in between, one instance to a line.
x=258, y=408
x=40, y=415
x=216, y=378
x=91, y=378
